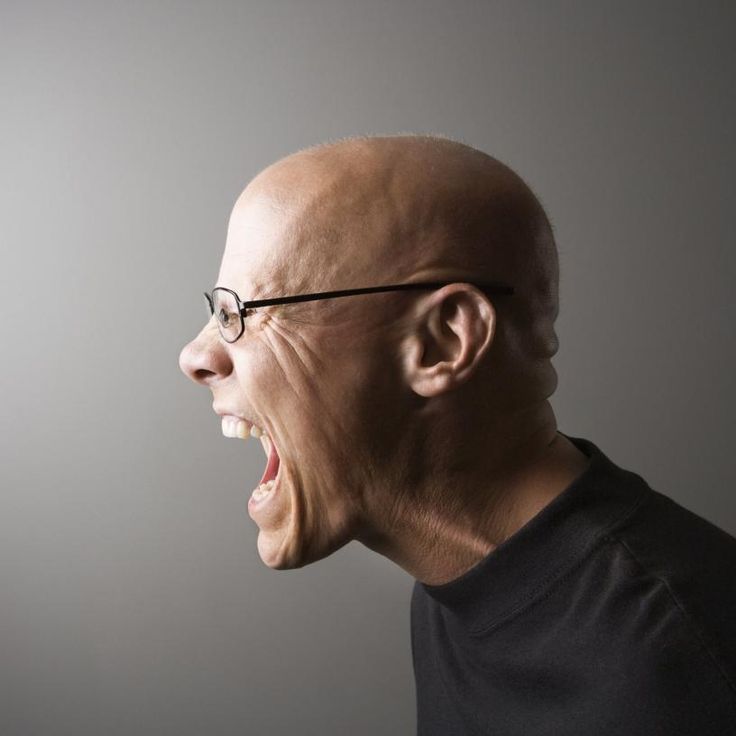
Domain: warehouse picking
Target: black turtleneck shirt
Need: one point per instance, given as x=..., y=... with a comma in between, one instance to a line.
x=612, y=611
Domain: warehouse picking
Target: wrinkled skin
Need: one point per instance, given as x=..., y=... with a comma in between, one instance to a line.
x=414, y=422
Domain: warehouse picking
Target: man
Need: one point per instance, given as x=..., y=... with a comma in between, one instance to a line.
x=555, y=593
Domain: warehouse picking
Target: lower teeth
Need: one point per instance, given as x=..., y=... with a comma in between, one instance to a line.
x=263, y=489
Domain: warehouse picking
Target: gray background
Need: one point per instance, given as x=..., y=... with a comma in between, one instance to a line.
x=133, y=598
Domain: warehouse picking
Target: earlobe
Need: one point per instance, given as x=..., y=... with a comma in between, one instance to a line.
x=449, y=340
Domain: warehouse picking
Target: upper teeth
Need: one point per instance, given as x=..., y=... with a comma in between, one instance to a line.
x=234, y=427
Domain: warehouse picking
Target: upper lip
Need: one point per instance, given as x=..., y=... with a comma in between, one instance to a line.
x=228, y=413
x=222, y=412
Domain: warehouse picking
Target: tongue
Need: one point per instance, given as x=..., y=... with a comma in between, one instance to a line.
x=272, y=466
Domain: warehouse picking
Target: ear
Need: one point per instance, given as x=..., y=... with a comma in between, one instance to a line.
x=451, y=331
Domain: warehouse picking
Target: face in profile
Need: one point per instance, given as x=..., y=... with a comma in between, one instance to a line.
x=312, y=382
x=395, y=418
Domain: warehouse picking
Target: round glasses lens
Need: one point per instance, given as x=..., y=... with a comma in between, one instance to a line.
x=227, y=314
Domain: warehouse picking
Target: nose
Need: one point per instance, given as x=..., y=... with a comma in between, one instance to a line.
x=204, y=359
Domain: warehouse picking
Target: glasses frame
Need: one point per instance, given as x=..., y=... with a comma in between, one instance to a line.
x=487, y=287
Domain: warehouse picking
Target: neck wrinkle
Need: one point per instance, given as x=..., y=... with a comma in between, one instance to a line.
x=475, y=491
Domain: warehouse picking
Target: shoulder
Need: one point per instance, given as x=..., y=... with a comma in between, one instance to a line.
x=692, y=564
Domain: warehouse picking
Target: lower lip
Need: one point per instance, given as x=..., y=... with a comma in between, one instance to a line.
x=256, y=504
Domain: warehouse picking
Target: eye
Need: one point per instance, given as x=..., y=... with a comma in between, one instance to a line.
x=227, y=318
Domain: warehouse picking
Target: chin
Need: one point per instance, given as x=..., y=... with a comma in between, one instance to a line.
x=277, y=555
x=301, y=535
x=274, y=555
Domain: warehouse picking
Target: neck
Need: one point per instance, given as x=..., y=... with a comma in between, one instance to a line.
x=482, y=486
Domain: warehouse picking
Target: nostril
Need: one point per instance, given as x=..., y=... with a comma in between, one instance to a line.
x=204, y=361
x=202, y=375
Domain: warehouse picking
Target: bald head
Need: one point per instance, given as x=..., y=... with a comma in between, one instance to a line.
x=374, y=210
x=396, y=417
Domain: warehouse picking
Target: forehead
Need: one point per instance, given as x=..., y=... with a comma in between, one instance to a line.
x=258, y=248
x=309, y=224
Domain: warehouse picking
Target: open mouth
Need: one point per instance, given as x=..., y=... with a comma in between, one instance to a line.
x=272, y=463
x=242, y=429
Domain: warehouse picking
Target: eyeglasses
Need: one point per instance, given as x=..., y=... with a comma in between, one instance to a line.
x=231, y=309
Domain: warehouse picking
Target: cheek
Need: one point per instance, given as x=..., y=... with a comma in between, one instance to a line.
x=293, y=398
x=366, y=396
x=331, y=406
